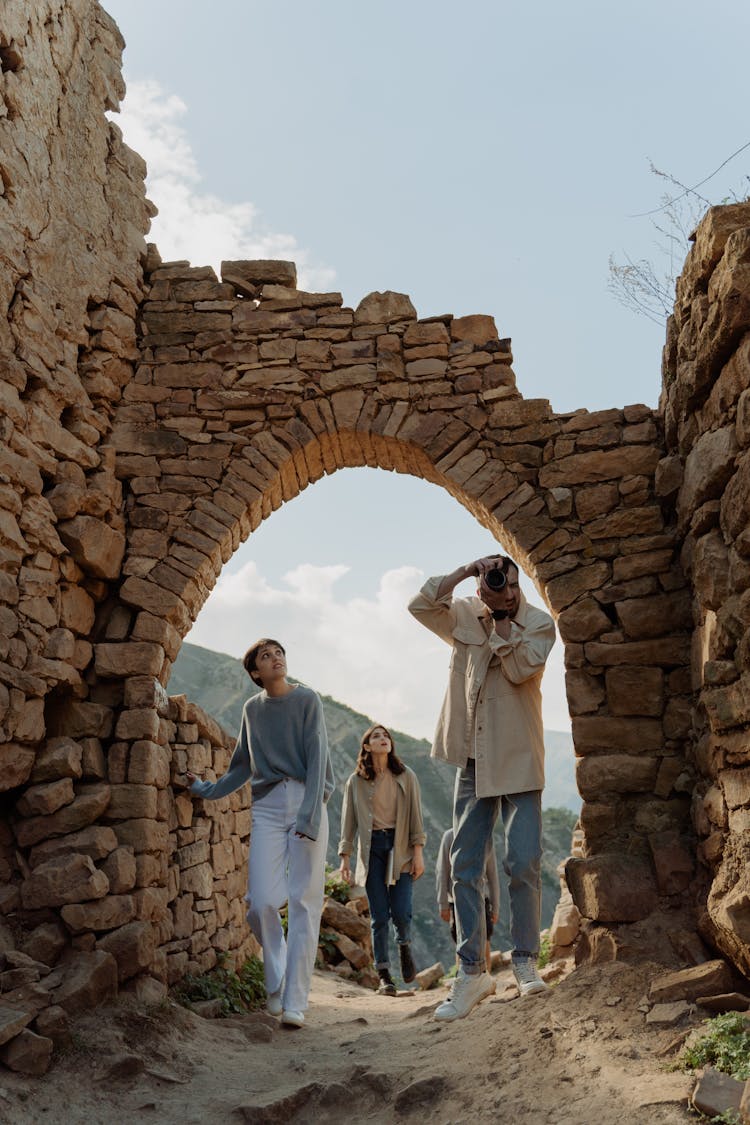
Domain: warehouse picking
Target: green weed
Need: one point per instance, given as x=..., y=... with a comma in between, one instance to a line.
x=725, y=1045
x=238, y=991
x=545, y=948
x=336, y=888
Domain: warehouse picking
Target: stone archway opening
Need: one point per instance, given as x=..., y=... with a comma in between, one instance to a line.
x=362, y=649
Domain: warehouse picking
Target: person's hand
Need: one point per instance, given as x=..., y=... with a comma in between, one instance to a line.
x=481, y=566
x=494, y=917
x=345, y=870
x=417, y=864
x=445, y=915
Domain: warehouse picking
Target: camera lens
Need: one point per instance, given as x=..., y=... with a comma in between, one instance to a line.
x=495, y=578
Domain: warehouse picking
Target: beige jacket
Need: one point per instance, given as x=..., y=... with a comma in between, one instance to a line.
x=492, y=709
x=356, y=819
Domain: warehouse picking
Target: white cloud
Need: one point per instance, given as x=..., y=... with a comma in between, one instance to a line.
x=366, y=652
x=191, y=223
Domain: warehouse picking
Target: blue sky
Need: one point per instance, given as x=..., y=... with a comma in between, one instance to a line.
x=484, y=158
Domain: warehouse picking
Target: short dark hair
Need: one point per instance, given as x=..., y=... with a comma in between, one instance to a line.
x=250, y=658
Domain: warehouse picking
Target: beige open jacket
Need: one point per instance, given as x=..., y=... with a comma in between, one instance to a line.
x=356, y=819
x=492, y=709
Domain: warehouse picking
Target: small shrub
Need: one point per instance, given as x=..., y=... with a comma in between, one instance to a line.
x=336, y=887
x=725, y=1045
x=238, y=991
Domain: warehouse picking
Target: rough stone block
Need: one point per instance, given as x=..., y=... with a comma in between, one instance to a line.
x=635, y=691
x=87, y=807
x=97, y=548
x=90, y=979
x=198, y=880
x=345, y=921
x=64, y=879
x=611, y=888
x=673, y=863
x=592, y=733
x=53, y=1023
x=129, y=802
x=601, y=774
x=106, y=914
x=16, y=763
x=27, y=1053
x=45, y=943
x=41, y=800
x=96, y=841
x=120, y=869
x=656, y=615
x=384, y=308
x=583, y=621
x=247, y=276
x=128, y=659
x=140, y=724
x=132, y=947
x=12, y=1022
x=142, y=835
x=565, y=589
x=706, y=979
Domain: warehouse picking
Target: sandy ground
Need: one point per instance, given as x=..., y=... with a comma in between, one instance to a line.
x=580, y=1054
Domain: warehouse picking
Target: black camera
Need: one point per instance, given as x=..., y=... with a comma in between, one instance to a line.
x=496, y=578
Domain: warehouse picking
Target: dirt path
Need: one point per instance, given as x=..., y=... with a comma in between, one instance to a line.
x=579, y=1055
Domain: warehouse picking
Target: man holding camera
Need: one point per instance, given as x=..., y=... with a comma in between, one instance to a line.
x=490, y=727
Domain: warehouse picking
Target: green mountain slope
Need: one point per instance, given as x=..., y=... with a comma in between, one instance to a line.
x=220, y=685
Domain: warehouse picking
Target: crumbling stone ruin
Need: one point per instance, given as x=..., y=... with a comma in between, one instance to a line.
x=153, y=415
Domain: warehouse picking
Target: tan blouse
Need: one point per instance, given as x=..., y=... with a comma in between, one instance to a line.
x=384, y=801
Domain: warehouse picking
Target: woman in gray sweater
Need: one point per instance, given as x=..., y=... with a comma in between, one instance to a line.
x=282, y=750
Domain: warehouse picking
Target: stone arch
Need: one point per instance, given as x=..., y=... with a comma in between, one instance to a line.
x=248, y=390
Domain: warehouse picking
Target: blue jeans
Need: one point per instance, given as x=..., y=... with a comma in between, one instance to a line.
x=386, y=902
x=473, y=822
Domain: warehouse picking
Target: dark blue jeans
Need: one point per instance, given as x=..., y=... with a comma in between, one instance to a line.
x=386, y=902
x=473, y=821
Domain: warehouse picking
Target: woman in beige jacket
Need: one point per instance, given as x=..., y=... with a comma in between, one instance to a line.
x=382, y=806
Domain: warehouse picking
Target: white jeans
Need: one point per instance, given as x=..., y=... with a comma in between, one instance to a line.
x=286, y=869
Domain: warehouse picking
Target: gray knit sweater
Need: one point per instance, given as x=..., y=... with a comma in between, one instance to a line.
x=280, y=737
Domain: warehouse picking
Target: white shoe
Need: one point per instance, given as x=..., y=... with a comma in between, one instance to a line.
x=527, y=977
x=293, y=1019
x=466, y=992
x=273, y=1003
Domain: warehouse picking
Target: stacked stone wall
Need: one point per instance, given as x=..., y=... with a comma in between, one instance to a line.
x=706, y=475
x=250, y=389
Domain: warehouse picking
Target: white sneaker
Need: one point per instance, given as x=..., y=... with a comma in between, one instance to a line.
x=273, y=1003
x=293, y=1019
x=527, y=977
x=466, y=992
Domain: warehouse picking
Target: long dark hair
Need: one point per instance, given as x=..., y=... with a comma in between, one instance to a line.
x=365, y=767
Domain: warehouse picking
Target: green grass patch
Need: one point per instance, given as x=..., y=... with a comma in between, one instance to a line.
x=545, y=948
x=723, y=1044
x=241, y=991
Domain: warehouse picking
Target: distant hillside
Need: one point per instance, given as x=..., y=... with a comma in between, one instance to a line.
x=220, y=685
